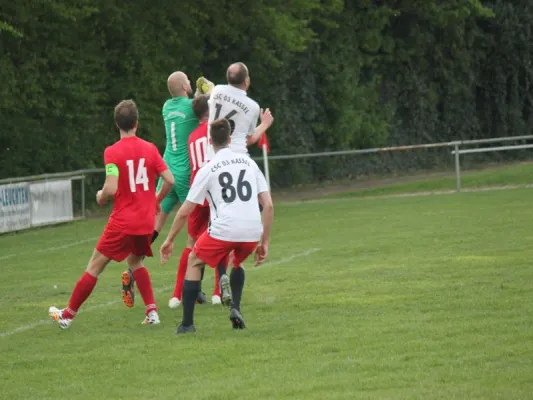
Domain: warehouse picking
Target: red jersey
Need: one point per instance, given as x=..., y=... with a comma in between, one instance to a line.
x=198, y=151
x=139, y=164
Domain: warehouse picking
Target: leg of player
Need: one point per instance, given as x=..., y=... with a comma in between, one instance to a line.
x=216, y=299
x=191, y=287
x=128, y=280
x=82, y=290
x=144, y=284
x=240, y=253
x=224, y=281
x=182, y=189
x=175, y=301
x=237, y=285
x=201, y=298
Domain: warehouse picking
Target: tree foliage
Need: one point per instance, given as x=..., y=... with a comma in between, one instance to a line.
x=337, y=74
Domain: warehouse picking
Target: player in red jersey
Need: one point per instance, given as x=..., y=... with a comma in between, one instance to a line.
x=198, y=220
x=132, y=167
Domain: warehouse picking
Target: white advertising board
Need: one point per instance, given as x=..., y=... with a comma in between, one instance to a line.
x=51, y=202
x=15, y=212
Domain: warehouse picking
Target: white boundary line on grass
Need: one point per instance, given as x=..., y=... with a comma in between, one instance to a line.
x=111, y=303
x=54, y=248
x=290, y=258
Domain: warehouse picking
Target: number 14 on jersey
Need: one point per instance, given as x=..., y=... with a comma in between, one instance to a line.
x=138, y=178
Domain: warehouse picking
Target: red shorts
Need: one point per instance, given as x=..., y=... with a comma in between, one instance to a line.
x=212, y=251
x=118, y=246
x=198, y=221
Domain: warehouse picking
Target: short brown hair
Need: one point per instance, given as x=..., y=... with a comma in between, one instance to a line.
x=238, y=75
x=200, y=106
x=220, y=132
x=126, y=115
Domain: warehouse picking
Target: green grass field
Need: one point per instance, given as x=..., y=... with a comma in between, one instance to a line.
x=507, y=175
x=424, y=297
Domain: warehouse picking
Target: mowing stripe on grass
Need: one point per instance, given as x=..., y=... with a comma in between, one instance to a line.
x=83, y=310
x=53, y=248
x=111, y=303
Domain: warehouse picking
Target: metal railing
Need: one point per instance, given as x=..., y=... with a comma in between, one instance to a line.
x=455, y=145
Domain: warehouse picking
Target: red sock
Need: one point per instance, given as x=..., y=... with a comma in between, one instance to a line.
x=182, y=270
x=144, y=284
x=216, y=290
x=81, y=292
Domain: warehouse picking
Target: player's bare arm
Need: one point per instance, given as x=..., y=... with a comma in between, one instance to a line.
x=266, y=121
x=268, y=217
x=168, y=181
x=108, y=190
x=175, y=229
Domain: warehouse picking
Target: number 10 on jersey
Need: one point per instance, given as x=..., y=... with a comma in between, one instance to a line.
x=139, y=178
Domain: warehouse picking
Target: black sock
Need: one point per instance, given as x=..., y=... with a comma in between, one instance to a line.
x=190, y=291
x=201, y=279
x=236, y=284
x=154, y=236
x=221, y=268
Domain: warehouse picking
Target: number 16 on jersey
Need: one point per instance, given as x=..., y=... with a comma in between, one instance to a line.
x=228, y=116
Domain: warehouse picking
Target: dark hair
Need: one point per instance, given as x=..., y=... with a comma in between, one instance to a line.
x=126, y=115
x=200, y=106
x=220, y=132
x=237, y=76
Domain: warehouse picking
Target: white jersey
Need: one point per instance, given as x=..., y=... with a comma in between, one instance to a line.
x=231, y=183
x=241, y=111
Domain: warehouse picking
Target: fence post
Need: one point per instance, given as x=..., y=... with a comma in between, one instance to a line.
x=83, y=197
x=457, y=168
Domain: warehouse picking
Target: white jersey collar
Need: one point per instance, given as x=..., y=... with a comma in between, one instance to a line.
x=225, y=149
x=236, y=89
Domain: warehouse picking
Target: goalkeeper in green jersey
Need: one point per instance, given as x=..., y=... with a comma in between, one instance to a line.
x=180, y=121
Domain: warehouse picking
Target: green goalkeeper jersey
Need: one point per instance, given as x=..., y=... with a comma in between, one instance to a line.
x=180, y=121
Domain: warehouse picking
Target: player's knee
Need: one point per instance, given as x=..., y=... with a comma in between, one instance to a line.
x=97, y=264
x=134, y=262
x=94, y=269
x=237, y=262
x=190, y=242
x=194, y=261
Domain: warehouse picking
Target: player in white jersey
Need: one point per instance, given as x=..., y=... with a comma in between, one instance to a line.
x=233, y=184
x=232, y=103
